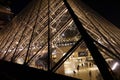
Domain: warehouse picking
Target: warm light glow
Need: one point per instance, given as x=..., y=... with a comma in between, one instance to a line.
x=99, y=41
x=68, y=67
x=20, y=61
x=115, y=65
x=68, y=71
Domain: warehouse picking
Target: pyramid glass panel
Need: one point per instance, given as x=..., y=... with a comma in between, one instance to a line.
x=80, y=65
x=44, y=35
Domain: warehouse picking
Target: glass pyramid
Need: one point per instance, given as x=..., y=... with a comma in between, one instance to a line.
x=42, y=34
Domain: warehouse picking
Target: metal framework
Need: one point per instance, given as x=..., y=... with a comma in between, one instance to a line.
x=45, y=27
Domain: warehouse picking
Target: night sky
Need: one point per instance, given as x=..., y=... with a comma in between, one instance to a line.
x=18, y=5
x=109, y=9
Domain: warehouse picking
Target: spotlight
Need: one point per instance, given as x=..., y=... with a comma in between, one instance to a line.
x=115, y=66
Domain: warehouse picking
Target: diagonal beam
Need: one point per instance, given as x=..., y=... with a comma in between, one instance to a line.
x=98, y=58
x=67, y=55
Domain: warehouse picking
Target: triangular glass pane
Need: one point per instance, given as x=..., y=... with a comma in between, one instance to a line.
x=111, y=59
x=80, y=65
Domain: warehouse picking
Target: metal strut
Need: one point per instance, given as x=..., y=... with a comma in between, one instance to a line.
x=67, y=55
x=49, y=42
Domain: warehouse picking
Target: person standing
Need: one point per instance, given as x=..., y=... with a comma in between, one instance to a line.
x=90, y=74
x=78, y=67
